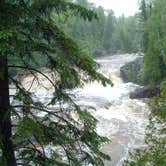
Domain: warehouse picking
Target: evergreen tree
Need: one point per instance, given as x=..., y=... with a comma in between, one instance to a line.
x=154, y=39
x=154, y=25
x=108, y=34
x=109, y=31
x=126, y=37
x=28, y=32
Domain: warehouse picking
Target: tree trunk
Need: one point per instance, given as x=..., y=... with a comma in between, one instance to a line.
x=5, y=116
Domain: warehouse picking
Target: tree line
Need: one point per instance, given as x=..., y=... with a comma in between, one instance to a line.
x=106, y=35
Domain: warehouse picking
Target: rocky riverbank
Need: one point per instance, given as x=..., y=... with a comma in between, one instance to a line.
x=132, y=72
x=145, y=92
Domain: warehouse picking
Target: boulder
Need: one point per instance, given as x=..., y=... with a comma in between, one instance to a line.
x=146, y=92
x=132, y=71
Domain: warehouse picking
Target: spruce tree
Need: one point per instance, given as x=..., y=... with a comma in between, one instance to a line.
x=154, y=42
x=28, y=33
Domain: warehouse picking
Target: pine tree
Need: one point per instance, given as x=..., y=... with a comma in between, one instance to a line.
x=109, y=30
x=28, y=33
x=154, y=42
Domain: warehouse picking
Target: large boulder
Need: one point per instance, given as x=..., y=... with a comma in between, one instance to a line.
x=132, y=71
x=145, y=92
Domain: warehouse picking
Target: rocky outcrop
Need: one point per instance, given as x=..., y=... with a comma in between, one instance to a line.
x=132, y=71
x=145, y=92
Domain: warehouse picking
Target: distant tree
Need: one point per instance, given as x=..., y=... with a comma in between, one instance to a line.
x=88, y=34
x=108, y=34
x=126, y=37
x=109, y=31
x=29, y=33
x=155, y=48
x=97, y=28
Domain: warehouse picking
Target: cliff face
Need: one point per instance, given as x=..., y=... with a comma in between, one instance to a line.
x=132, y=71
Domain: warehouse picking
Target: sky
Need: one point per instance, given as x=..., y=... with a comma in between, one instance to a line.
x=126, y=7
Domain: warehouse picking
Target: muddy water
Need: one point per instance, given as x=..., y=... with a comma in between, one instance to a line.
x=120, y=118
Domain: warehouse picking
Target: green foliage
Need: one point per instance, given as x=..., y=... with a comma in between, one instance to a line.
x=107, y=34
x=154, y=153
x=109, y=31
x=154, y=43
x=161, y=104
x=30, y=37
x=126, y=37
x=154, y=46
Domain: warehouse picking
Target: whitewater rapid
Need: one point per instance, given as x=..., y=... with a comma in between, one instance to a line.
x=120, y=118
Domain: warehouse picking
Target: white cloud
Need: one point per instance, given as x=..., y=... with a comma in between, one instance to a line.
x=126, y=7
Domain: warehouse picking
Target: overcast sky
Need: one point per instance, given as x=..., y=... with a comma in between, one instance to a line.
x=126, y=7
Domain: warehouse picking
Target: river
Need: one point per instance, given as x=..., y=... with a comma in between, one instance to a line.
x=120, y=118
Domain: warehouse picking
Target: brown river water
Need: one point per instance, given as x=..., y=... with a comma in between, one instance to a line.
x=120, y=118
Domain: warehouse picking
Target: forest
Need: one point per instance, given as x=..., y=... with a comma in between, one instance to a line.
x=61, y=41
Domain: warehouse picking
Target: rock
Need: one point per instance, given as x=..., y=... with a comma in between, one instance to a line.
x=131, y=72
x=99, y=53
x=145, y=92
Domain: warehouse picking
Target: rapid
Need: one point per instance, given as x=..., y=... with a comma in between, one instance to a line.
x=120, y=118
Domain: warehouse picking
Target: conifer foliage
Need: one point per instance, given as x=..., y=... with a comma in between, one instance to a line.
x=153, y=14
x=154, y=39
x=28, y=32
